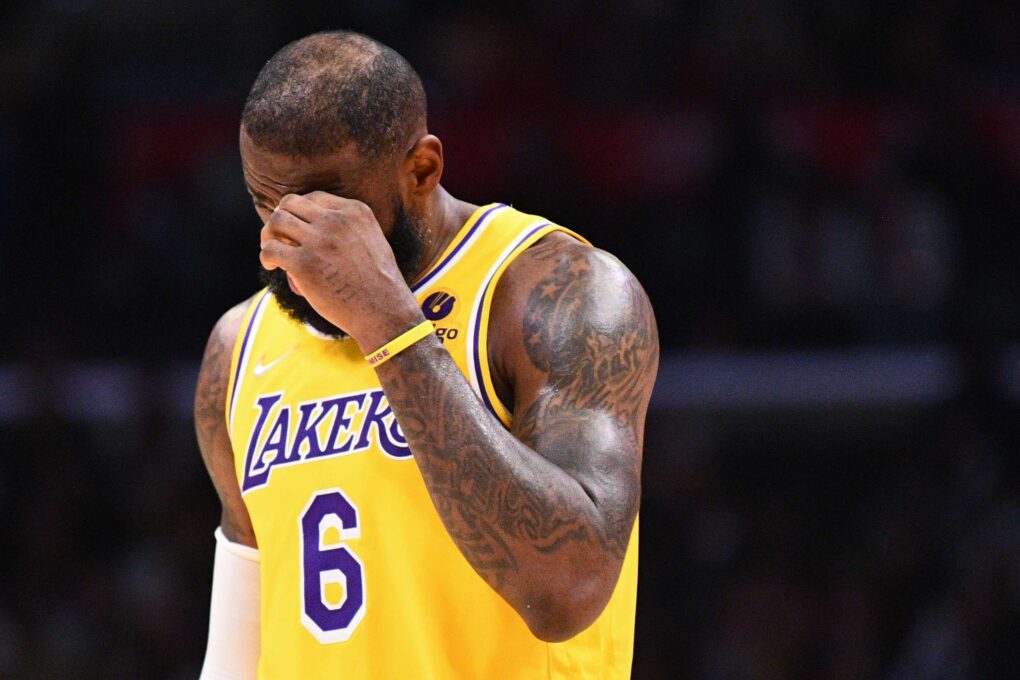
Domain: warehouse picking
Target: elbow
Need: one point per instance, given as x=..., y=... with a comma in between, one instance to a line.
x=558, y=631
x=559, y=616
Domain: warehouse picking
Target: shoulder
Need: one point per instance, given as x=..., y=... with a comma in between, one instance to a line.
x=564, y=306
x=560, y=258
x=228, y=326
x=562, y=280
x=210, y=394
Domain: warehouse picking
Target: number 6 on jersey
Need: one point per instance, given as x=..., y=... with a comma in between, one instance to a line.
x=332, y=577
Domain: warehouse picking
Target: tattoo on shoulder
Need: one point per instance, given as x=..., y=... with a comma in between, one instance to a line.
x=210, y=393
x=593, y=333
x=211, y=390
x=593, y=359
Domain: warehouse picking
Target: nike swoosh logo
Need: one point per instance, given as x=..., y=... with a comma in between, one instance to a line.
x=261, y=369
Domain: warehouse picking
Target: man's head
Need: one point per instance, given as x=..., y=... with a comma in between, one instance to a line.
x=342, y=113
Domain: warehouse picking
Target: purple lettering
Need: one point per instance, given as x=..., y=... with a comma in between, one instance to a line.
x=341, y=424
x=252, y=478
x=389, y=436
x=307, y=430
x=276, y=442
x=282, y=447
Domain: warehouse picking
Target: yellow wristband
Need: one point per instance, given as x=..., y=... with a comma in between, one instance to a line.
x=400, y=343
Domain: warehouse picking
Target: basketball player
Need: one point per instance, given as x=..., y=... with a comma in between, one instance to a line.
x=426, y=430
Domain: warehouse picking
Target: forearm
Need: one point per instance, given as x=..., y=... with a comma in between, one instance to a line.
x=525, y=525
x=232, y=651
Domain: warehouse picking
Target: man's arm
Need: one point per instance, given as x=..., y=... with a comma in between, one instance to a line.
x=211, y=426
x=232, y=651
x=543, y=513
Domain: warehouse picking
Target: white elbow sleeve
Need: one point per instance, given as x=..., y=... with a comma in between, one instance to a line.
x=232, y=652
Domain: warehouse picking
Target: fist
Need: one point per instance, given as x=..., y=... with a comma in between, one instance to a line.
x=335, y=253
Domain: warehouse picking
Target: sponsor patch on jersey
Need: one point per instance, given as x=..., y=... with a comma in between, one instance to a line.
x=439, y=304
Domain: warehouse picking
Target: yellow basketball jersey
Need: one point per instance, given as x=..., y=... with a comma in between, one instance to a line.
x=359, y=578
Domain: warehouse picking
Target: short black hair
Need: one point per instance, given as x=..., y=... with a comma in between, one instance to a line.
x=323, y=91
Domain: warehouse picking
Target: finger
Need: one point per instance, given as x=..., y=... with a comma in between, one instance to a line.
x=286, y=227
x=302, y=207
x=276, y=253
x=329, y=201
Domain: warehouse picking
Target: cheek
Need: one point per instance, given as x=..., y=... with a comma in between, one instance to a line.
x=376, y=207
x=383, y=205
x=263, y=213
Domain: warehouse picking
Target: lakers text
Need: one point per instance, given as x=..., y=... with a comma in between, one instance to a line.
x=286, y=434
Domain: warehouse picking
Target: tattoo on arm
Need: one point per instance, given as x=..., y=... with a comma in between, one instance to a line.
x=500, y=502
x=599, y=370
x=211, y=427
x=211, y=391
x=342, y=288
x=467, y=484
x=592, y=362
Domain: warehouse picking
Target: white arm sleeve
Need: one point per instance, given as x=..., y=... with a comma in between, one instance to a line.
x=232, y=652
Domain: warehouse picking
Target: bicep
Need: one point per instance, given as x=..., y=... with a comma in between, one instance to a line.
x=211, y=428
x=583, y=373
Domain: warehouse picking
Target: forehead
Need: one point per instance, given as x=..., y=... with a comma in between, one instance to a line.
x=275, y=174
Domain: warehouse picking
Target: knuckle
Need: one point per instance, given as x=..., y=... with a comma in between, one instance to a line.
x=305, y=259
x=272, y=225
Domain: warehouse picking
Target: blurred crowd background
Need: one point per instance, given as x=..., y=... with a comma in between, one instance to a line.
x=821, y=198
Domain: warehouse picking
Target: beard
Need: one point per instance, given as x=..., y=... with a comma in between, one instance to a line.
x=407, y=239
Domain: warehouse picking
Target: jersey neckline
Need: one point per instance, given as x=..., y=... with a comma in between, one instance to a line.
x=460, y=242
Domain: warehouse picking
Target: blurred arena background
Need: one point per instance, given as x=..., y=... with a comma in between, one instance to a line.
x=821, y=198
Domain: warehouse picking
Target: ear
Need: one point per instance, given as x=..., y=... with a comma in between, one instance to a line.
x=423, y=165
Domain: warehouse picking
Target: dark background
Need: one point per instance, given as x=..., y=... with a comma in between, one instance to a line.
x=819, y=196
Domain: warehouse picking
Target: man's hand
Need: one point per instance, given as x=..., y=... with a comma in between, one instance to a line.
x=335, y=252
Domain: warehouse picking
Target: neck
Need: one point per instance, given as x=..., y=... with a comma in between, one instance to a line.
x=445, y=217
